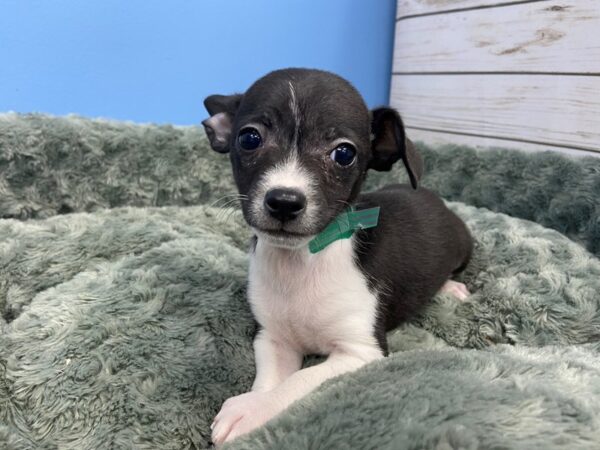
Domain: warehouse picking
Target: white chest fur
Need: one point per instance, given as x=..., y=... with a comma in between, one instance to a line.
x=315, y=303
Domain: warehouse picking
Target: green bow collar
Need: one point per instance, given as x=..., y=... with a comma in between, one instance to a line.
x=344, y=226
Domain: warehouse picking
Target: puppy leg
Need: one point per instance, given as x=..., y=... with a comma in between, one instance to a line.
x=275, y=361
x=458, y=290
x=246, y=412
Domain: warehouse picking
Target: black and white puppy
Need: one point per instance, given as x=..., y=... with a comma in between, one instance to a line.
x=300, y=143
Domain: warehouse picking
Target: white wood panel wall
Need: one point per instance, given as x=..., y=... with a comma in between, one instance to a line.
x=519, y=74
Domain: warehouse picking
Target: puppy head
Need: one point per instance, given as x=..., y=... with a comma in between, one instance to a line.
x=300, y=143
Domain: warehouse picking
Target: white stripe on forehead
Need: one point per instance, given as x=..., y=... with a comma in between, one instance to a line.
x=295, y=113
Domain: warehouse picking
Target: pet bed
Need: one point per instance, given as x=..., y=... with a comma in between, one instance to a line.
x=124, y=322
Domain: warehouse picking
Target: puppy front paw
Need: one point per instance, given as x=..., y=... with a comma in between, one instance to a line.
x=242, y=414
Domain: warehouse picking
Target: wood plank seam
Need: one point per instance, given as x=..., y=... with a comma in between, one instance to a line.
x=469, y=8
x=497, y=72
x=504, y=138
x=437, y=139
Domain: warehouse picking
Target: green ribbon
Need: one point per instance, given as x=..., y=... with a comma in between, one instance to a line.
x=344, y=226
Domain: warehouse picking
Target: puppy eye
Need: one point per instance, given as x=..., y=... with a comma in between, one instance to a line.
x=249, y=138
x=344, y=154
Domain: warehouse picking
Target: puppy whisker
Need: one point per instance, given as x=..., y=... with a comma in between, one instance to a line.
x=228, y=198
x=345, y=203
x=229, y=204
x=227, y=214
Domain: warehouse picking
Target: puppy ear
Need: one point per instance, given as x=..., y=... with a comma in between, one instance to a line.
x=390, y=144
x=222, y=109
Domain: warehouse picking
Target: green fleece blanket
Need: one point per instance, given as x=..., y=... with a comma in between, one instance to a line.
x=127, y=327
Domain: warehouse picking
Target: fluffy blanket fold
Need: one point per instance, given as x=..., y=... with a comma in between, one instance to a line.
x=127, y=327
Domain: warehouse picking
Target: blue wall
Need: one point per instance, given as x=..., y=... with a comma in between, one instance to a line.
x=155, y=61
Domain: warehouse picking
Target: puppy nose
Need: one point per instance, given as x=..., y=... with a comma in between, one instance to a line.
x=284, y=204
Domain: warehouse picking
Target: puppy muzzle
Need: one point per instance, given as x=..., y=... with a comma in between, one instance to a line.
x=284, y=204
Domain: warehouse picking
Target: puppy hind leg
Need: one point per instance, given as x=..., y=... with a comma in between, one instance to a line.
x=456, y=289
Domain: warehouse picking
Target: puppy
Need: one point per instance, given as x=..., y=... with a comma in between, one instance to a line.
x=325, y=276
